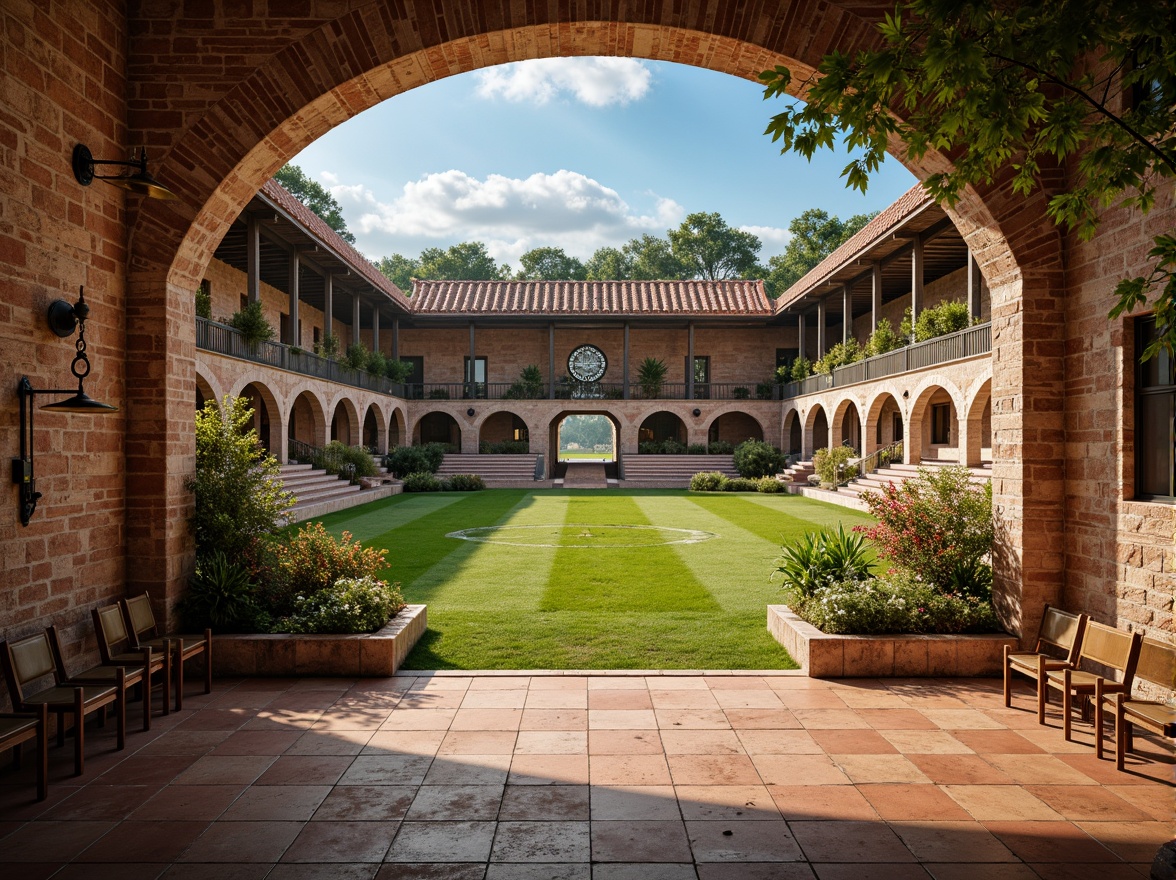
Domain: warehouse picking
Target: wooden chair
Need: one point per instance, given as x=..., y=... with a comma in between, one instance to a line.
x=31, y=659
x=1108, y=647
x=114, y=647
x=16, y=729
x=1157, y=665
x=140, y=621
x=1060, y=631
x=106, y=676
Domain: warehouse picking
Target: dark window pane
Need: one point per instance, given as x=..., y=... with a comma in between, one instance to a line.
x=1153, y=444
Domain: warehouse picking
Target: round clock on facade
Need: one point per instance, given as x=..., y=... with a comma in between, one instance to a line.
x=587, y=363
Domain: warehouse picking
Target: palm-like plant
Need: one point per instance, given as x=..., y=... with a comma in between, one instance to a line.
x=820, y=559
x=651, y=375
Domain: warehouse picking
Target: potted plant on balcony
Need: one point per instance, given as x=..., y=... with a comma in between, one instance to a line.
x=651, y=375
x=250, y=322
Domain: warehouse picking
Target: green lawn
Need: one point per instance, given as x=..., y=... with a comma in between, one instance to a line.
x=647, y=579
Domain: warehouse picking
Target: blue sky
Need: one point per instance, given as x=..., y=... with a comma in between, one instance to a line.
x=576, y=153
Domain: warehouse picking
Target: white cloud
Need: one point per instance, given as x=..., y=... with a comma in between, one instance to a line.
x=511, y=215
x=773, y=238
x=597, y=82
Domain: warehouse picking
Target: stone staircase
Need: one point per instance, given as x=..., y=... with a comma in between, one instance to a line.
x=899, y=473
x=672, y=471
x=496, y=471
x=585, y=475
x=797, y=474
x=319, y=493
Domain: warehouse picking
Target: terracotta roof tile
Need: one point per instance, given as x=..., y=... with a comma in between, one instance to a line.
x=637, y=298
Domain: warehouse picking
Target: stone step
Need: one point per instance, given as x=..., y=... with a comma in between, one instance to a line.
x=585, y=475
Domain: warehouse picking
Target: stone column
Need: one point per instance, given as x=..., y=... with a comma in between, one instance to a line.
x=355, y=337
x=375, y=328
x=329, y=305
x=690, y=360
x=822, y=317
x=800, y=334
x=625, y=363
x=472, y=373
x=875, y=294
x=974, y=287
x=395, y=339
x=916, y=278
x=551, y=361
x=846, y=313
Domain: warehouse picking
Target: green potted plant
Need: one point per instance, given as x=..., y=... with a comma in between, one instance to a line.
x=250, y=322
x=651, y=375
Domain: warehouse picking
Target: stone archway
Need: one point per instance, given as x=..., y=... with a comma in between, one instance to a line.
x=793, y=433
x=226, y=138
x=502, y=427
x=660, y=427
x=934, y=424
x=734, y=427
x=396, y=429
x=816, y=430
x=308, y=420
x=267, y=417
x=884, y=422
x=345, y=424
x=976, y=428
x=438, y=427
x=847, y=425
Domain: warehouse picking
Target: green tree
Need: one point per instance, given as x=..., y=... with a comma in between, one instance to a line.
x=608, y=264
x=550, y=264
x=316, y=197
x=815, y=235
x=400, y=270
x=652, y=259
x=712, y=250
x=239, y=499
x=467, y=261
x=1005, y=88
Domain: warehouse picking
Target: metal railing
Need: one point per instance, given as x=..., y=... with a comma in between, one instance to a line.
x=883, y=457
x=966, y=343
x=330, y=460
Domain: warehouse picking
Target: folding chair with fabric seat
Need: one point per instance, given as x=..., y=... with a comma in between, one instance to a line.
x=1157, y=665
x=1060, y=633
x=31, y=659
x=107, y=676
x=16, y=729
x=114, y=647
x=1108, y=647
x=140, y=621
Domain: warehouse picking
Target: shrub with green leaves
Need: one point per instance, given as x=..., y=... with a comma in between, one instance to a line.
x=349, y=605
x=832, y=465
x=839, y=355
x=820, y=559
x=741, y=484
x=397, y=371
x=802, y=368
x=250, y=322
x=355, y=461
x=756, y=458
x=884, y=339
x=708, y=481
x=375, y=363
x=696, y=449
x=327, y=347
x=947, y=317
x=203, y=302
x=221, y=595
x=505, y=447
x=464, y=483
x=356, y=356
x=313, y=559
x=651, y=376
x=422, y=481
x=239, y=499
x=769, y=486
x=719, y=447
x=405, y=460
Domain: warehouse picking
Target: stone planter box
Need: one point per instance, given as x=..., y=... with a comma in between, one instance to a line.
x=835, y=656
x=354, y=656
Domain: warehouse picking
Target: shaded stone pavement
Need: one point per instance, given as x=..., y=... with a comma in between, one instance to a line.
x=612, y=776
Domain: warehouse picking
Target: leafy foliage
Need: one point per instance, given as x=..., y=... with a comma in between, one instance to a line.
x=838, y=355
x=203, y=302
x=406, y=460
x=831, y=464
x=769, y=486
x=327, y=347
x=708, y=481
x=316, y=197
x=757, y=458
x=239, y=500
x=712, y=250
x=815, y=235
x=550, y=264
x=356, y=356
x=884, y=339
x=505, y=447
x=719, y=447
x=820, y=559
x=464, y=483
x=400, y=270
x=947, y=317
x=651, y=375
x=313, y=560
x=397, y=371
x=220, y=595
x=802, y=368
x=1011, y=88
x=422, y=481
x=349, y=605
x=466, y=261
x=352, y=461
x=250, y=322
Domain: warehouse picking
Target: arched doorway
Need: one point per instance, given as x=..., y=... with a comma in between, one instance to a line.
x=659, y=428
x=586, y=437
x=439, y=427
x=847, y=426
x=396, y=429
x=345, y=423
x=734, y=428
x=204, y=393
x=504, y=432
x=371, y=429
x=978, y=431
x=308, y=423
x=266, y=416
x=793, y=433
x=818, y=429
x=935, y=427
x=884, y=425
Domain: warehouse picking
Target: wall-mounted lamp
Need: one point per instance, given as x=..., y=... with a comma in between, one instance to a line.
x=137, y=181
x=905, y=395
x=697, y=412
x=63, y=319
x=470, y=412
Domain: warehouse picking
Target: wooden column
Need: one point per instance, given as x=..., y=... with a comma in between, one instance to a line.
x=916, y=278
x=690, y=361
x=822, y=317
x=800, y=334
x=395, y=339
x=329, y=305
x=355, y=318
x=625, y=365
x=252, y=259
x=472, y=372
x=974, y=287
x=846, y=313
x=375, y=328
x=551, y=361
x=875, y=295
x=295, y=337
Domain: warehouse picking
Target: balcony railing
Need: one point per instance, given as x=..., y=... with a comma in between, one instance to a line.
x=966, y=343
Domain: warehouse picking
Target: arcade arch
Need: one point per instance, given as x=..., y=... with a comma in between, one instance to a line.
x=847, y=425
x=734, y=428
x=793, y=433
x=660, y=427
x=503, y=427
x=816, y=430
x=345, y=422
x=934, y=424
x=267, y=417
x=308, y=420
x=884, y=422
x=438, y=427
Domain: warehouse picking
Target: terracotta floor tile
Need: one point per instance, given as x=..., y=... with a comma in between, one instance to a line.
x=337, y=718
x=811, y=699
x=617, y=682
x=341, y=842
x=1050, y=842
x=478, y=742
x=614, y=803
x=419, y=719
x=1038, y=770
x=725, y=802
x=650, y=871
x=331, y=742
x=557, y=699
x=386, y=770
x=624, y=742
x=486, y=719
x=754, y=871
x=549, y=842
x=691, y=719
x=701, y=742
x=295, y=803
x=549, y=770
x=798, y=770
x=500, y=683
x=837, y=841
x=137, y=841
x=683, y=699
x=763, y=698
x=621, y=719
x=813, y=802
x=554, y=719
x=1104, y=772
x=242, y=842
x=562, y=803
x=184, y=742
x=882, y=871
x=779, y=742
x=961, y=719
x=912, y=802
x=428, y=683
x=403, y=742
x=879, y=768
x=50, y=841
x=1130, y=841
x=1086, y=803
x=925, y=742
x=113, y=802
x=640, y=841
x=700, y=769
x=468, y=770
x=552, y=742
x=761, y=719
x=257, y=742
x=225, y=770
x=215, y=719
x=1082, y=872
x=110, y=871
x=146, y=770
x=505, y=699
x=961, y=841
x=442, y=842
x=305, y=770
x=998, y=742
x=366, y=803
x=1001, y=803
x=735, y=682
x=194, y=802
x=762, y=841
x=600, y=699
x=432, y=700
x=988, y=871
x=558, y=683
x=430, y=871
x=897, y=718
x=1158, y=802
x=959, y=770
x=328, y=871
x=852, y=742
x=629, y=770
x=833, y=719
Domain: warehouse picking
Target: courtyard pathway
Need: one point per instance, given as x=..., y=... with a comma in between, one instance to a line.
x=601, y=776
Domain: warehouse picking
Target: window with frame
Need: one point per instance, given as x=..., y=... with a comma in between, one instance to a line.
x=475, y=383
x=941, y=423
x=1155, y=419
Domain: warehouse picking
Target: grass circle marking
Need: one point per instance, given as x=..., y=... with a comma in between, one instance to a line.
x=598, y=536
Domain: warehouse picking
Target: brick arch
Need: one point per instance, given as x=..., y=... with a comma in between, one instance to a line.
x=307, y=418
x=269, y=423
x=874, y=412
x=376, y=413
x=792, y=432
x=208, y=386
x=920, y=400
x=343, y=405
x=976, y=422
x=841, y=412
x=812, y=421
x=397, y=427
x=299, y=76
x=728, y=414
x=500, y=424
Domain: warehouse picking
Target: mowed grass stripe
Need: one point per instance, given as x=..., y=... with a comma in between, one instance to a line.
x=619, y=579
x=817, y=514
x=736, y=565
x=374, y=519
x=771, y=516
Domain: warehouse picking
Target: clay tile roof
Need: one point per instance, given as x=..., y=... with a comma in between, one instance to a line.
x=909, y=203
x=592, y=298
x=315, y=225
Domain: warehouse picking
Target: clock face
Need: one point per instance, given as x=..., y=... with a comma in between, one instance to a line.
x=587, y=363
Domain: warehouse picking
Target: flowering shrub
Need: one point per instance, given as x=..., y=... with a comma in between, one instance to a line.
x=349, y=605
x=935, y=524
x=313, y=560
